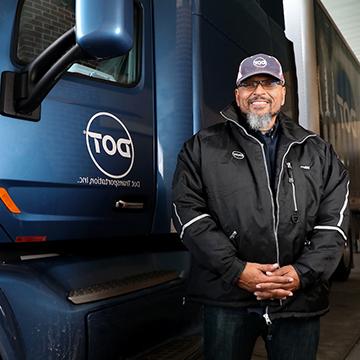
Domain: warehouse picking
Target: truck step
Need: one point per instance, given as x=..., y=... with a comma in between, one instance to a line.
x=121, y=286
x=180, y=348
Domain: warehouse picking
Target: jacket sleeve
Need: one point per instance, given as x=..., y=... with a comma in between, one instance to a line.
x=321, y=257
x=193, y=221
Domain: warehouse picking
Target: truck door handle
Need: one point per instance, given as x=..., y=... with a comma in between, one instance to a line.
x=121, y=204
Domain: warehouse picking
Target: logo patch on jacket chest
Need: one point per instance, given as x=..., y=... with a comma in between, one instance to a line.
x=237, y=155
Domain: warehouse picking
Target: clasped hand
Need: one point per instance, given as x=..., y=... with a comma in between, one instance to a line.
x=269, y=281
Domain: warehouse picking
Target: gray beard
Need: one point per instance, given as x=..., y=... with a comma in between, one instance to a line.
x=257, y=122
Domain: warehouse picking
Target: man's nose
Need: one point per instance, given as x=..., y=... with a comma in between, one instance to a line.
x=259, y=89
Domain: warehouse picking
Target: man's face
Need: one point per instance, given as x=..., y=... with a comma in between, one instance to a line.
x=260, y=100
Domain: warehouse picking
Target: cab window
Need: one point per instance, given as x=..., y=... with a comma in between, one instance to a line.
x=41, y=22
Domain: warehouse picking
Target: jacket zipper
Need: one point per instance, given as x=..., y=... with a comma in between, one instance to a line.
x=266, y=316
x=275, y=219
x=295, y=215
x=272, y=203
x=269, y=187
x=233, y=235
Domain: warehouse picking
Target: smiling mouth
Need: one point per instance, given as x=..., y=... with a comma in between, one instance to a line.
x=259, y=104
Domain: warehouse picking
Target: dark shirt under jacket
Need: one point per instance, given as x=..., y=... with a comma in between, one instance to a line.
x=270, y=139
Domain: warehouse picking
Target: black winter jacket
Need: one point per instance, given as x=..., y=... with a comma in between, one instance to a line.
x=226, y=213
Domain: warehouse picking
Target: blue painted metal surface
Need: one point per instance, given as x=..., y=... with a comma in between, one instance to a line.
x=48, y=326
x=92, y=147
x=174, y=96
x=11, y=344
x=105, y=31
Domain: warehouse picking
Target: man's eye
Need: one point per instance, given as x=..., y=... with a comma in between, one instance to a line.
x=268, y=82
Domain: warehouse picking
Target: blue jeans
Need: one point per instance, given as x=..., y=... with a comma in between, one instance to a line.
x=231, y=333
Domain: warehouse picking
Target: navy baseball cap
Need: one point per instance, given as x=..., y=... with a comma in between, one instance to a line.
x=259, y=64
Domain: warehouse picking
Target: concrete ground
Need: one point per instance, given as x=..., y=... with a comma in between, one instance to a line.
x=340, y=328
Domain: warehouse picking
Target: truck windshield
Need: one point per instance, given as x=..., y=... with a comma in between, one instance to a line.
x=41, y=22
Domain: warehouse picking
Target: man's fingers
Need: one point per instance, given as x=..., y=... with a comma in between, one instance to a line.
x=273, y=294
x=288, y=272
x=253, y=274
x=267, y=277
x=268, y=267
x=285, y=270
x=279, y=280
x=273, y=286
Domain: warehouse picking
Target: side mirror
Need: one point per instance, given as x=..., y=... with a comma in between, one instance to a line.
x=105, y=29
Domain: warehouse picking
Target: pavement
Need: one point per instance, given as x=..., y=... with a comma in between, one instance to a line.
x=354, y=352
x=340, y=328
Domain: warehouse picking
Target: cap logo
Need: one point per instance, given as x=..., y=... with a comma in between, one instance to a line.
x=260, y=62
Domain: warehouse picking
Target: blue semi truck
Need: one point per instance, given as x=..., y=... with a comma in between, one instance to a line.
x=96, y=100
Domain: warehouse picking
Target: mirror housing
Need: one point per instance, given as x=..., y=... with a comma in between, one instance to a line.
x=105, y=29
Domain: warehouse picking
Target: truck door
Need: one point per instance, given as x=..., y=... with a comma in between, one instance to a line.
x=85, y=170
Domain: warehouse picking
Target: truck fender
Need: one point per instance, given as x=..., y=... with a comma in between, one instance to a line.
x=11, y=344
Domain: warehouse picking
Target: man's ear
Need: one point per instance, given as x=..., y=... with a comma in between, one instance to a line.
x=236, y=94
x=283, y=95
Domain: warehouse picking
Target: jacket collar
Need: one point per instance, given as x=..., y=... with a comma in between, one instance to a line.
x=291, y=130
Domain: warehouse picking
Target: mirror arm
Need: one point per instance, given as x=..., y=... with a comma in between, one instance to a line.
x=39, y=77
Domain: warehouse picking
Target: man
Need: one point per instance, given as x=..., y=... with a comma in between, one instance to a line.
x=261, y=204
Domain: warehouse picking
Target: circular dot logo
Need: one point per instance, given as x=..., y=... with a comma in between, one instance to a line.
x=110, y=145
x=260, y=62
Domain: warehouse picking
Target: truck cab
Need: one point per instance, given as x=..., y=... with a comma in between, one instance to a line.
x=83, y=273
x=96, y=101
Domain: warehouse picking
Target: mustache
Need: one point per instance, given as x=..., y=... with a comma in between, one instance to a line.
x=259, y=98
